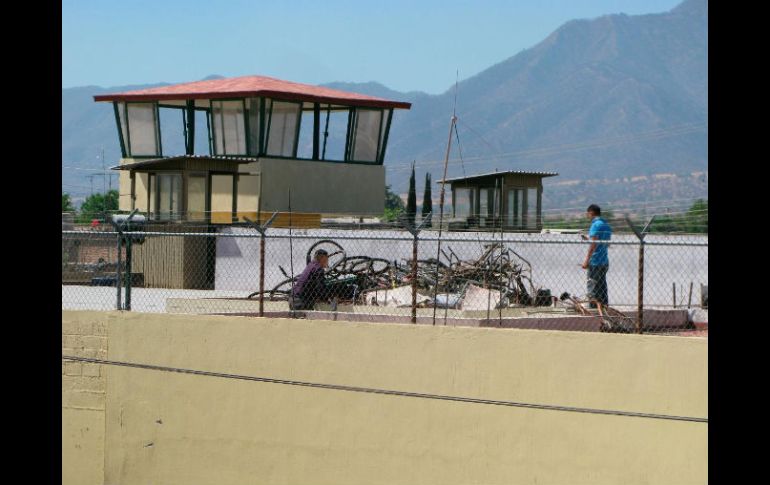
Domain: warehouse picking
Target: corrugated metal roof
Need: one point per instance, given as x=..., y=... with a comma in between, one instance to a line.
x=159, y=161
x=248, y=86
x=517, y=172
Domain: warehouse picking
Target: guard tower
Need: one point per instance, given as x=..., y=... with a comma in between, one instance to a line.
x=244, y=144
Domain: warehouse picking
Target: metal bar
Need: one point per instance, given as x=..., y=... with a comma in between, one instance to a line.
x=689, y=297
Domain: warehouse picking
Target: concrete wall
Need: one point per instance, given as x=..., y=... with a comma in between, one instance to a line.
x=164, y=427
x=325, y=187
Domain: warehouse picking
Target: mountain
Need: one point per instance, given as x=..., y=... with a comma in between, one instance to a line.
x=602, y=99
x=611, y=97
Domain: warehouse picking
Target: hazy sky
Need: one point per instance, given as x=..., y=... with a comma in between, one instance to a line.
x=405, y=45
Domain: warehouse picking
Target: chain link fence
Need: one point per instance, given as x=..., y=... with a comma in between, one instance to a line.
x=389, y=274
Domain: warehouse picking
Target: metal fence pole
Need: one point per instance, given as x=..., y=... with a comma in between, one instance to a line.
x=640, y=281
x=128, y=274
x=640, y=289
x=118, y=274
x=261, y=229
x=262, y=274
x=414, y=277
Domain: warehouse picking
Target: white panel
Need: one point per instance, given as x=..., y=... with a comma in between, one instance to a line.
x=283, y=129
x=142, y=127
x=235, y=129
x=367, y=135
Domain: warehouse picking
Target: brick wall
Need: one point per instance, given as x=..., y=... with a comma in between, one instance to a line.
x=83, y=384
x=83, y=400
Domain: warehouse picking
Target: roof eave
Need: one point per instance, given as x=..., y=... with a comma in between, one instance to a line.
x=371, y=103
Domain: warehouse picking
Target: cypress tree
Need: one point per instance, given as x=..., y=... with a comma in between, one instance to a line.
x=427, y=202
x=411, y=200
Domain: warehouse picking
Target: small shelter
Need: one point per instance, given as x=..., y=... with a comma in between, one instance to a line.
x=512, y=199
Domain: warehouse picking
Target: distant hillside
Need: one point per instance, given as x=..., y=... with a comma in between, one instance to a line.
x=601, y=99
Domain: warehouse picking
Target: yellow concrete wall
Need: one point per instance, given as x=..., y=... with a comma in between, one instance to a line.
x=125, y=197
x=166, y=427
x=83, y=399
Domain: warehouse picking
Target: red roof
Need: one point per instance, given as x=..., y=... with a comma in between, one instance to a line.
x=248, y=86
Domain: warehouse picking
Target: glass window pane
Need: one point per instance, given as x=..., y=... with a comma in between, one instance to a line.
x=283, y=129
x=122, y=117
x=463, y=202
x=216, y=118
x=515, y=208
x=253, y=105
x=366, y=135
x=229, y=127
x=333, y=138
x=384, y=128
x=142, y=127
x=169, y=196
x=305, y=143
x=196, y=197
x=532, y=207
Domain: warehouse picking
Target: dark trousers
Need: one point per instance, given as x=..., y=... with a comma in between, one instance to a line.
x=297, y=303
x=597, y=283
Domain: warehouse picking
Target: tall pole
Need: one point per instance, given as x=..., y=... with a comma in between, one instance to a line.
x=104, y=189
x=441, y=210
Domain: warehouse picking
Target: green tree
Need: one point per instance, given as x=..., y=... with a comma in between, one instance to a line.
x=411, y=200
x=66, y=203
x=98, y=206
x=427, y=202
x=697, y=218
x=394, y=206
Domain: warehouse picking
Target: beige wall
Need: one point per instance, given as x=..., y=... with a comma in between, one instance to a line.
x=166, y=427
x=325, y=187
x=83, y=399
x=125, y=197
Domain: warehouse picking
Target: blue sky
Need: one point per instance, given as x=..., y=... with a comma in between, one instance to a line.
x=405, y=45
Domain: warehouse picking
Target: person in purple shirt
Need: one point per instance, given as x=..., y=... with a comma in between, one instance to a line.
x=310, y=286
x=597, y=260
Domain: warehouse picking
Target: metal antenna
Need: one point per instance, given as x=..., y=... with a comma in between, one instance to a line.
x=441, y=197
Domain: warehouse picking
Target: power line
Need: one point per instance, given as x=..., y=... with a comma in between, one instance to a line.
x=558, y=149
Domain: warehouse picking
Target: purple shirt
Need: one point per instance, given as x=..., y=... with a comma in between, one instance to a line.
x=310, y=284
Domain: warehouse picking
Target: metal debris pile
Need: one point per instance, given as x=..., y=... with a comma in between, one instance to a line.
x=499, y=276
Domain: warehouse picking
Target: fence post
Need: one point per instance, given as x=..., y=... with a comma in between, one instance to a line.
x=414, y=277
x=640, y=281
x=119, y=227
x=261, y=229
x=415, y=231
x=118, y=303
x=640, y=289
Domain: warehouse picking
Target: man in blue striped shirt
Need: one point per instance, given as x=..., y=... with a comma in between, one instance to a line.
x=597, y=261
